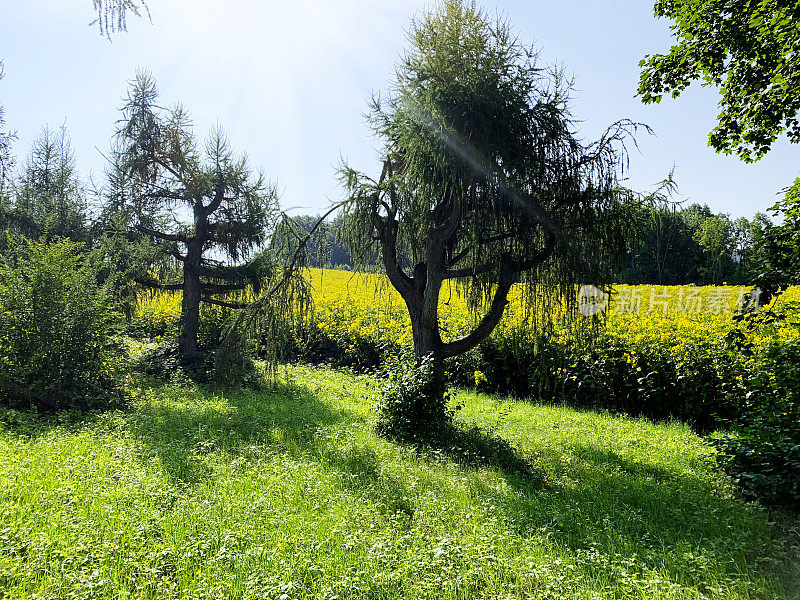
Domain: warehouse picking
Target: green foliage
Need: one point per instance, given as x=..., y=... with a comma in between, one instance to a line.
x=182, y=203
x=603, y=371
x=233, y=364
x=715, y=237
x=484, y=179
x=412, y=403
x=749, y=49
x=56, y=328
x=49, y=199
x=780, y=261
x=358, y=352
x=673, y=245
x=698, y=386
x=233, y=368
x=324, y=249
x=763, y=454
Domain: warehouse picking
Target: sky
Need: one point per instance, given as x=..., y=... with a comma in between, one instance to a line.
x=289, y=82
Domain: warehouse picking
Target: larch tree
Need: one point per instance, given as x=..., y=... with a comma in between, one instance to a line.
x=202, y=214
x=49, y=197
x=484, y=182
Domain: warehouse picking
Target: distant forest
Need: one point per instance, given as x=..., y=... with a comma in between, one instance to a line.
x=672, y=245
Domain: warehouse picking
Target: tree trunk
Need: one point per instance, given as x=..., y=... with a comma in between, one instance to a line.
x=190, y=306
x=423, y=309
x=427, y=342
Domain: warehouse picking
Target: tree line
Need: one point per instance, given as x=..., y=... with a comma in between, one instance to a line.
x=670, y=244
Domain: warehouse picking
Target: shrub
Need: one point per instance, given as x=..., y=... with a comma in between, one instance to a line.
x=229, y=365
x=697, y=385
x=412, y=404
x=763, y=453
x=57, y=328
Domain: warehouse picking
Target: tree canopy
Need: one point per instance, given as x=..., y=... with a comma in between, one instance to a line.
x=781, y=257
x=49, y=196
x=750, y=49
x=484, y=181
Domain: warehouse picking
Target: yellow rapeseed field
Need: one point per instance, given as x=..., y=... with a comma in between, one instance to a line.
x=351, y=306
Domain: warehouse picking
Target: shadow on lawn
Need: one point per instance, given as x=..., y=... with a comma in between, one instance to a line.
x=610, y=508
x=475, y=448
x=182, y=426
x=288, y=420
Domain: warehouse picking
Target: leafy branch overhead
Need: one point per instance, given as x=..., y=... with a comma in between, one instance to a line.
x=751, y=51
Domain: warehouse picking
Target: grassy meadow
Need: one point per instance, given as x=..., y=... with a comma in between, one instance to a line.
x=288, y=493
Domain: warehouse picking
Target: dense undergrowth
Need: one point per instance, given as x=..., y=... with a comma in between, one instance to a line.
x=288, y=493
x=58, y=327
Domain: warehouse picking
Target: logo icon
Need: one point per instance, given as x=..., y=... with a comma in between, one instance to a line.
x=591, y=300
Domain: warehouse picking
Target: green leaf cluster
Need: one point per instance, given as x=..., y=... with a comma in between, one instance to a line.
x=750, y=49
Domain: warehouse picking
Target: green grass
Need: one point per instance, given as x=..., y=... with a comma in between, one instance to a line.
x=289, y=494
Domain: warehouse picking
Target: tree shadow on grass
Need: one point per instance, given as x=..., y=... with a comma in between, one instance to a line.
x=181, y=427
x=610, y=509
x=287, y=420
x=474, y=448
x=621, y=515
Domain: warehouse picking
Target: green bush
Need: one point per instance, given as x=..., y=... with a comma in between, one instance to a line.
x=357, y=352
x=230, y=365
x=412, y=404
x=763, y=452
x=57, y=328
x=610, y=372
x=698, y=386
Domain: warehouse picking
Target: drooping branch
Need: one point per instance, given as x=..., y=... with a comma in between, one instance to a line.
x=225, y=303
x=533, y=261
x=112, y=14
x=167, y=237
x=157, y=285
x=486, y=267
x=213, y=288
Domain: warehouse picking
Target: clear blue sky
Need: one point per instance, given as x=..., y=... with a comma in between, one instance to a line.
x=289, y=81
